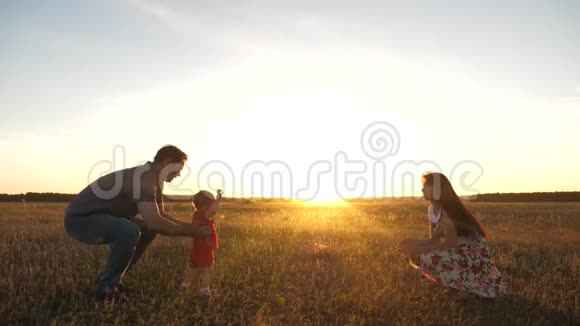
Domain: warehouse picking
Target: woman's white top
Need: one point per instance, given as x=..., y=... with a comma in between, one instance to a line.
x=435, y=216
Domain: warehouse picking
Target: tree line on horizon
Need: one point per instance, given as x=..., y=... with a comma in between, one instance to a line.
x=559, y=196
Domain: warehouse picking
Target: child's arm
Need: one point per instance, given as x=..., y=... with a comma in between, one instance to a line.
x=215, y=205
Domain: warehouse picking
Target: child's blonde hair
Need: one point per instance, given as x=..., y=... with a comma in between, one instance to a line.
x=202, y=199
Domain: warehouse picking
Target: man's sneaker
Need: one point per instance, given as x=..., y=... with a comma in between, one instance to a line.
x=122, y=288
x=108, y=294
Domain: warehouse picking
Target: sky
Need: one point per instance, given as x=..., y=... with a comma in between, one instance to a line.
x=487, y=92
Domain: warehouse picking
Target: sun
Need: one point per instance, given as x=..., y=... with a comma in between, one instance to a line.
x=326, y=199
x=337, y=202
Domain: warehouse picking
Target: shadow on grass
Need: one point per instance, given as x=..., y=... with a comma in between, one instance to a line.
x=514, y=310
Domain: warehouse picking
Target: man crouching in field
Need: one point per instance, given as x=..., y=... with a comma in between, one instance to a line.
x=105, y=212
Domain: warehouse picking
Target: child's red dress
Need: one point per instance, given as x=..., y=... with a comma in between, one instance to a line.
x=201, y=254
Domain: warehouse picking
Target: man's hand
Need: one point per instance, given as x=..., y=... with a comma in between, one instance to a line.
x=200, y=231
x=153, y=220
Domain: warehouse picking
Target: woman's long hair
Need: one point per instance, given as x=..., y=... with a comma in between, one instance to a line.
x=443, y=193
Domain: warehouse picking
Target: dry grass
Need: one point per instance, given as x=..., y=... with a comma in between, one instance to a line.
x=294, y=265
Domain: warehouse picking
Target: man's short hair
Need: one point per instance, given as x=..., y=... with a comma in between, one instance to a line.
x=170, y=153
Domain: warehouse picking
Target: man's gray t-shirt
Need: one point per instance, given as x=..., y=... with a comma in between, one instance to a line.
x=118, y=193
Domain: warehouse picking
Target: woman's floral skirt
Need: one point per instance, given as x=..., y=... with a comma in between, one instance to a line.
x=466, y=267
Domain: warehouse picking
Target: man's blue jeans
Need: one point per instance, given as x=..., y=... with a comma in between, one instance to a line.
x=127, y=240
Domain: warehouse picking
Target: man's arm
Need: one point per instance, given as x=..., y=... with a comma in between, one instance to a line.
x=161, y=208
x=172, y=218
x=165, y=215
x=154, y=221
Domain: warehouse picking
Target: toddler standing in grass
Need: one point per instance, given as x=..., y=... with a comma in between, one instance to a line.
x=201, y=258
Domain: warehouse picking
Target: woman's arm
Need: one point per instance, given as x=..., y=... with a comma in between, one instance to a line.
x=410, y=246
x=450, y=239
x=434, y=236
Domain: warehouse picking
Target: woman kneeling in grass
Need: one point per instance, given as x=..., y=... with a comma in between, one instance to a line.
x=456, y=254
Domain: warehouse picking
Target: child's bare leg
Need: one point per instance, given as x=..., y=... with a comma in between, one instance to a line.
x=189, y=276
x=204, y=279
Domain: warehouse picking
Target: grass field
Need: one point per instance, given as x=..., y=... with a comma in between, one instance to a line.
x=289, y=264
